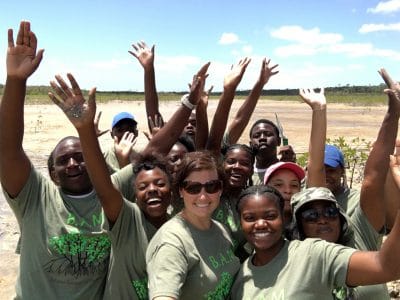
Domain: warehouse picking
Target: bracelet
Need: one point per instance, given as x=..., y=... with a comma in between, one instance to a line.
x=185, y=102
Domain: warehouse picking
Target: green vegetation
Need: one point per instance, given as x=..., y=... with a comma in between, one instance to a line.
x=355, y=154
x=352, y=95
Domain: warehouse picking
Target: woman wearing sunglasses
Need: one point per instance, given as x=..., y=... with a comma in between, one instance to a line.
x=309, y=269
x=192, y=255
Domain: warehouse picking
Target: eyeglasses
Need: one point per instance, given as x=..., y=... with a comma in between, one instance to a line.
x=312, y=215
x=194, y=188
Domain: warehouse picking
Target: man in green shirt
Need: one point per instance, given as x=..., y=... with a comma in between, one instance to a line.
x=64, y=252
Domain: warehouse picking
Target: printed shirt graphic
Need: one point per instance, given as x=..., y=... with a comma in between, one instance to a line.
x=308, y=270
x=184, y=262
x=64, y=252
x=130, y=235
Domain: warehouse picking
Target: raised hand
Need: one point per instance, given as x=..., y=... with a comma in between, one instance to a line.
x=393, y=90
x=266, y=71
x=155, y=126
x=71, y=101
x=233, y=78
x=22, y=59
x=198, y=83
x=317, y=101
x=144, y=54
x=123, y=148
x=96, y=126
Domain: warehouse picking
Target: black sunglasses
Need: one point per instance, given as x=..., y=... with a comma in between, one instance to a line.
x=312, y=215
x=194, y=188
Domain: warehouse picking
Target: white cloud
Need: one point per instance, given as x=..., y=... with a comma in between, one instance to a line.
x=313, y=42
x=228, y=38
x=385, y=7
x=312, y=36
x=367, y=28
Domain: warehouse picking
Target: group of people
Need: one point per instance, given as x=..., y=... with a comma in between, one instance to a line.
x=194, y=214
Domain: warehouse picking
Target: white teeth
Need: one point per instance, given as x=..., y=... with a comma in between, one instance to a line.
x=261, y=234
x=154, y=201
x=202, y=205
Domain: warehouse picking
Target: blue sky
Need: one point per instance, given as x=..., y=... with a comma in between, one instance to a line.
x=315, y=43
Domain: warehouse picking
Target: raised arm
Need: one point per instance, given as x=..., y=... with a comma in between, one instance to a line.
x=316, y=147
x=145, y=56
x=202, y=120
x=377, y=165
x=162, y=142
x=218, y=126
x=22, y=61
x=243, y=115
x=81, y=114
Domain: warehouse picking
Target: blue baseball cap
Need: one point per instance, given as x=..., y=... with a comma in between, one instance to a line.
x=333, y=156
x=122, y=116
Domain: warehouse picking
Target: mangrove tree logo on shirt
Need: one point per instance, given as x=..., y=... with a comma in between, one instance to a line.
x=79, y=255
x=222, y=290
x=140, y=286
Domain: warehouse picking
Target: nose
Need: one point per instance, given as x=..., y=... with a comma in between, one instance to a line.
x=72, y=162
x=261, y=223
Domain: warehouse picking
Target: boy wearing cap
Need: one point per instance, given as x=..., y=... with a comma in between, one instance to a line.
x=336, y=179
x=124, y=133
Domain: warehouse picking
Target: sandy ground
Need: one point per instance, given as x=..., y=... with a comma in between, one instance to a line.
x=46, y=124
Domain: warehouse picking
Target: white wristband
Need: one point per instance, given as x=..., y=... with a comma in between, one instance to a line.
x=185, y=101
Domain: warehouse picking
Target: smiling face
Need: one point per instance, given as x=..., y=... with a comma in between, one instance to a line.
x=326, y=228
x=238, y=167
x=199, y=207
x=69, y=170
x=287, y=183
x=153, y=192
x=262, y=223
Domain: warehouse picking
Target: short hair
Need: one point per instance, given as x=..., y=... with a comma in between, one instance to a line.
x=149, y=162
x=198, y=161
x=266, y=121
x=50, y=159
x=259, y=190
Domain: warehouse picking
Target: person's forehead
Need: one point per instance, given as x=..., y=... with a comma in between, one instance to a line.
x=264, y=127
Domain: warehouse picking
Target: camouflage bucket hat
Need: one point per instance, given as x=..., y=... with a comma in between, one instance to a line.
x=311, y=194
x=320, y=194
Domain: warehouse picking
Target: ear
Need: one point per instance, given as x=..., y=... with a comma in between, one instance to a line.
x=54, y=177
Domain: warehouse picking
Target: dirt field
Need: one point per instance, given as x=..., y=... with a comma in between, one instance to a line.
x=46, y=124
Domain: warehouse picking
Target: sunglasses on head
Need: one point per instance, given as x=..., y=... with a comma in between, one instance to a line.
x=210, y=187
x=312, y=215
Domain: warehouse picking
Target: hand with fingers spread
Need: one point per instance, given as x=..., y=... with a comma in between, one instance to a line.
x=144, y=54
x=233, y=78
x=155, y=126
x=96, y=126
x=266, y=71
x=123, y=148
x=315, y=100
x=71, y=101
x=22, y=58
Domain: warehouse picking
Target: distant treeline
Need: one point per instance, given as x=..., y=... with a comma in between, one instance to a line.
x=352, y=94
